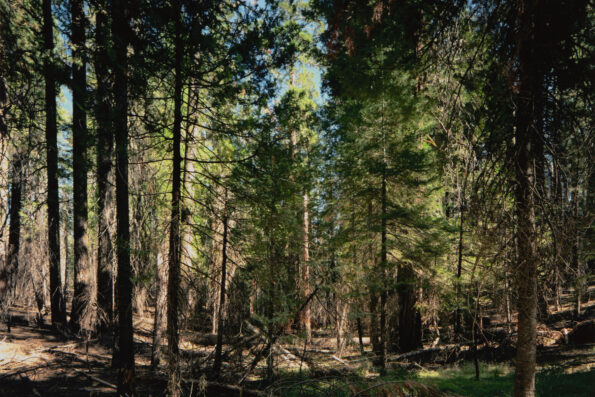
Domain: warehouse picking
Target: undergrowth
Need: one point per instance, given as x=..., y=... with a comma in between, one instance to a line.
x=496, y=380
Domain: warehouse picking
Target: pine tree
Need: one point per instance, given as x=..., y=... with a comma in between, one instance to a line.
x=57, y=300
x=124, y=353
x=82, y=316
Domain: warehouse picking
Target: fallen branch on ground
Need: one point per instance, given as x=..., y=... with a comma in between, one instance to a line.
x=96, y=379
x=216, y=388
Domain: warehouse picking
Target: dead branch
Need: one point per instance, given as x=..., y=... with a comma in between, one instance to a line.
x=96, y=379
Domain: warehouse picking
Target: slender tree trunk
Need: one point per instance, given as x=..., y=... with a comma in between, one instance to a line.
x=252, y=298
x=383, y=269
x=219, y=345
x=360, y=335
x=58, y=307
x=4, y=166
x=525, y=160
x=160, y=323
x=174, y=234
x=124, y=357
x=374, y=331
x=215, y=244
x=65, y=260
x=341, y=308
x=305, y=321
x=507, y=304
x=11, y=265
x=187, y=251
x=81, y=317
x=105, y=139
x=458, y=314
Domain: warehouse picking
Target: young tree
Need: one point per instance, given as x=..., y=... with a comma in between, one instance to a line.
x=173, y=285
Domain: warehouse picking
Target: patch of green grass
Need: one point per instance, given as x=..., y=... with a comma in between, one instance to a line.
x=497, y=380
x=556, y=383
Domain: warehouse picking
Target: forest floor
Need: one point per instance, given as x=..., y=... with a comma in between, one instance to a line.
x=36, y=361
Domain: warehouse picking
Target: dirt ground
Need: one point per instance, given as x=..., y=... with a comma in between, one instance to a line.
x=36, y=361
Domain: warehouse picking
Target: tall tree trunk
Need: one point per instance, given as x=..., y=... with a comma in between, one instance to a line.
x=305, y=321
x=174, y=234
x=82, y=316
x=383, y=269
x=58, y=307
x=525, y=160
x=160, y=311
x=124, y=355
x=215, y=244
x=219, y=346
x=457, y=325
x=64, y=260
x=4, y=166
x=11, y=264
x=462, y=203
x=590, y=211
x=105, y=139
x=374, y=331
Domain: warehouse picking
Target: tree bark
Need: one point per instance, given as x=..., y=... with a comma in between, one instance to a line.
x=160, y=312
x=4, y=165
x=105, y=139
x=11, y=263
x=305, y=321
x=374, y=330
x=383, y=267
x=525, y=159
x=58, y=307
x=124, y=355
x=458, y=313
x=174, y=234
x=82, y=316
x=219, y=345
x=409, y=317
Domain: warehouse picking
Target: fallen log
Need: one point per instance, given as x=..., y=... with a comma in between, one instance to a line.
x=422, y=352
